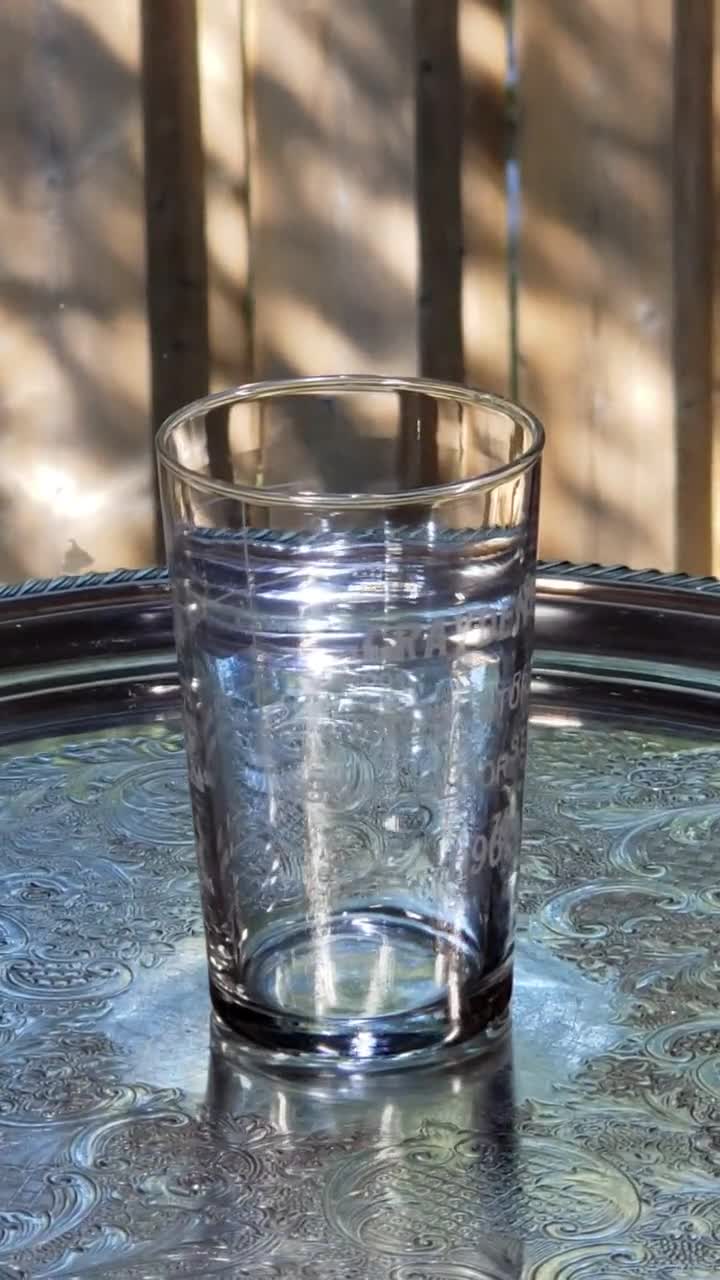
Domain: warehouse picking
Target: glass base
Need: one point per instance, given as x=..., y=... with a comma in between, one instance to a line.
x=372, y=991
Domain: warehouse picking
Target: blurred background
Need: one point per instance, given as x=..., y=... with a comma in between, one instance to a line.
x=515, y=193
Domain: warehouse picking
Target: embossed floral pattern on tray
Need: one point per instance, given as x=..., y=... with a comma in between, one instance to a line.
x=588, y=1150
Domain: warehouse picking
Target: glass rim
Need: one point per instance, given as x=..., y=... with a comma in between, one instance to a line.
x=268, y=390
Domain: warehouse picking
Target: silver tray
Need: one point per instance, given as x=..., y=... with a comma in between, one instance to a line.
x=588, y=1149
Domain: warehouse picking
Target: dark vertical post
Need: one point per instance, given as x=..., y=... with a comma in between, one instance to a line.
x=177, y=272
x=439, y=132
x=438, y=164
x=693, y=279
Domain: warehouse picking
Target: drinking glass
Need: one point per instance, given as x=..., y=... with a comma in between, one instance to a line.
x=352, y=561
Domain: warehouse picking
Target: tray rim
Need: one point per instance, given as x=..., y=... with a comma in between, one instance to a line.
x=615, y=613
x=549, y=573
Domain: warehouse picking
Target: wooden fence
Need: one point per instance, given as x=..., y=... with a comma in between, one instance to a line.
x=201, y=191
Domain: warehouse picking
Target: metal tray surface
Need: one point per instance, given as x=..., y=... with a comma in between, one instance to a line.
x=133, y=1146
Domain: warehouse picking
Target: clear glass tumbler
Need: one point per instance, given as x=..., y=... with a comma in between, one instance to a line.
x=353, y=561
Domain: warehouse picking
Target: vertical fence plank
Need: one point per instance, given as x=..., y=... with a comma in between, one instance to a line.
x=175, y=208
x=333, y=228
x=439, y=137
x=224, y=137
x=73, y=345
x=715, y=467
x=487, y=282
x=596, y=302
x=693, y=232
